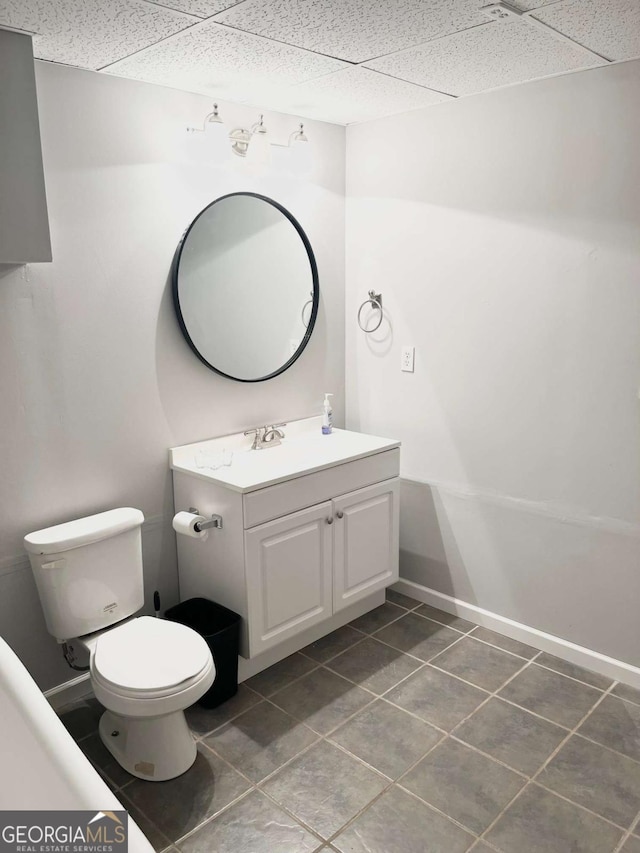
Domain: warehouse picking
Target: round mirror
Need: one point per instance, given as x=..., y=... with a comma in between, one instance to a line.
x=245, y=287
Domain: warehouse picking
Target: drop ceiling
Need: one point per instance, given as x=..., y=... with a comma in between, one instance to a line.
x=342, y=61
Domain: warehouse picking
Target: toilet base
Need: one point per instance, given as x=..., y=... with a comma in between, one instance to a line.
x=152, y=748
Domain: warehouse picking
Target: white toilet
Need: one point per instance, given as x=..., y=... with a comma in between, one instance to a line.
x=144, y=671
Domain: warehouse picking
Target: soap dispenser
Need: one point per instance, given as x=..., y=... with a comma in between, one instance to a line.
x=327, y=416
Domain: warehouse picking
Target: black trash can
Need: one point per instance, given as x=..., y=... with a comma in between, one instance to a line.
x=220, y=627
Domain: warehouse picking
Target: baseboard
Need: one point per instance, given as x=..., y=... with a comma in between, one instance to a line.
x=610, y=667
x=69, y=691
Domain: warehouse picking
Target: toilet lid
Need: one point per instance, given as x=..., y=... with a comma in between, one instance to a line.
x=150, y=654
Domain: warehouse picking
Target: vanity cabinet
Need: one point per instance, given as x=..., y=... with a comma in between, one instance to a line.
x=298, y=548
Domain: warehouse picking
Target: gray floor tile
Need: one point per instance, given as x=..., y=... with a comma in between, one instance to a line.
x=418, y=636
x=324, y=788
x=374, y=665
x=398, y=823
x=631, y=694
x=479, y=663
x=402, y=600
x=574, y=671
x=179, y=805
x=551, y=695
x=596, y=778
x=100, y=757
x=631, y=845
x=444, y=618
x=615, y=723
x=204, y=720
x=506, y=643
x=280, y=674
x=377, y=618
x=465, y=785
x=259, y=741
x=153, y=835
x=81, y=718
x=540, y=822
x=511, y=735
x=387, y=738
x=437, y=697
x=322, y=700
x=328, y=647
x=253, y=825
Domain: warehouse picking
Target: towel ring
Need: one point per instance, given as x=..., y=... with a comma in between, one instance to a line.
x=374, y=299
x=305, y=322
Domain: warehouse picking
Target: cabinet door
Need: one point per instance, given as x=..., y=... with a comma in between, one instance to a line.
x=365, y=542
x=288, y=572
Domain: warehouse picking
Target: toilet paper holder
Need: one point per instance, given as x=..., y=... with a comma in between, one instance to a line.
x=214, y=521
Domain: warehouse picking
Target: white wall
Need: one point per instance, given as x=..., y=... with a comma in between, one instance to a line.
x=96, y=381
x=503, y=232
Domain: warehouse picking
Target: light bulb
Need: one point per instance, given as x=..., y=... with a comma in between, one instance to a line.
x=300, y=154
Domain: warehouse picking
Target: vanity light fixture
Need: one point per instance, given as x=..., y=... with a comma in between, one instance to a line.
x=253, y=143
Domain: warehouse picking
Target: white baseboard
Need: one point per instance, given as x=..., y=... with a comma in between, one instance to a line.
x=70, y=691
x=612, y=668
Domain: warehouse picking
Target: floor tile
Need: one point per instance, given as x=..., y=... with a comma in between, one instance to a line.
x=465, y=785
x=280, y=674
x=511, y=735
x=551, y=695
x=374, y=665
x=402, y=600
x=204, y=720
x=100, y=757
x=540, y=822
x=437, y=697
x=324, y=788
x=631, y=694
x=506, y=643
x=253, y=825
x=574, y=671
x=387, y=738
x=479, y=663
x=631, y=845
x=81, y=718
x=259, y=741
x=151, y=832
x=418, y=636
x=615, y=723
x=377, y=618
x=596, y=778
x=399, y=822
x=331, y=645
x=445, y=618
x=322, y=700
x=179, y=805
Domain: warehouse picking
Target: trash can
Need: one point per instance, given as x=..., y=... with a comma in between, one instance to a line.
x=220, y=627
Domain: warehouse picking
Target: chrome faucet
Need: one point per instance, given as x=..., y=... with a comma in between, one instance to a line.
x=266, y=436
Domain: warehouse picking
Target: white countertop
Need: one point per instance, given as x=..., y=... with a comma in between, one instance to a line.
x=303, y=450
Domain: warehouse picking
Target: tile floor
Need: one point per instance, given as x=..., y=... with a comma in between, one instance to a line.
x=408, y=731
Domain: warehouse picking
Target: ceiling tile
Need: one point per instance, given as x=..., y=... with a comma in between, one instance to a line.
x=90, y=33
x=224, y=63
x=496, y=54
x=201, y=8
x=355, y=94
x=610, y=27
x=356, y=30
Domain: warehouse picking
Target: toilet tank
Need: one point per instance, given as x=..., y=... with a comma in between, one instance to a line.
x=88, y=572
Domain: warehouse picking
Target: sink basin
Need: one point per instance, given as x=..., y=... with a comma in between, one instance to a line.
x=303, y=450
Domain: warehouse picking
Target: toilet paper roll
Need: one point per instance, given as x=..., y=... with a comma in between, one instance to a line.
x=185, y=524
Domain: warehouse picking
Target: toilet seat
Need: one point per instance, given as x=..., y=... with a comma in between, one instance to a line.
x=150, y=666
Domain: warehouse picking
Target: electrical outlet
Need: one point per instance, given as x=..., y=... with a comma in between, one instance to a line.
x=293, y=346
x=407, y=359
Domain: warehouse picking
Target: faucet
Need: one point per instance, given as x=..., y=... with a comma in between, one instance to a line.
x=270, y=436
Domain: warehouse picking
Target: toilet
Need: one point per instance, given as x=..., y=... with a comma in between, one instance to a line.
x=144, y=671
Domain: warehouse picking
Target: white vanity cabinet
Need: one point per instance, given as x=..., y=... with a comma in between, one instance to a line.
x=305, y=534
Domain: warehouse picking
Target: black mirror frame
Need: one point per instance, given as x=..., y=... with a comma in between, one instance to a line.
x=175, y=269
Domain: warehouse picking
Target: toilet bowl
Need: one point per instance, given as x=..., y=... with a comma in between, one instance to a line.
x=144, y=671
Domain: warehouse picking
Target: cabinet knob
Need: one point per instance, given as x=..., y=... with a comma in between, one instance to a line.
x=330, y=520
x=339, y=513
